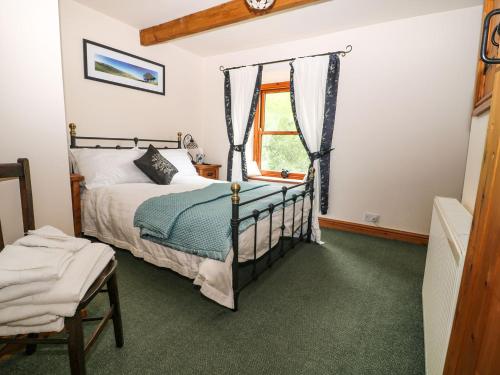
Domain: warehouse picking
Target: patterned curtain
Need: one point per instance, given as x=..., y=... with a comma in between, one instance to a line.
x=313, y=93
x=241, y=95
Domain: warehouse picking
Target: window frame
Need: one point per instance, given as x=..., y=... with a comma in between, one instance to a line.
x=259, y=128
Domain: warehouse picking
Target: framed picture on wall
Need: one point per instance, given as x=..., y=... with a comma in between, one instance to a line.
x=109, y=65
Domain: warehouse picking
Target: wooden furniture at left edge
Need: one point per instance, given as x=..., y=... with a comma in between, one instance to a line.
x=21, y=172
x=75, y=181
x=105, y=282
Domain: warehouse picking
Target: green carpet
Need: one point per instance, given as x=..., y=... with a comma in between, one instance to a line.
x=351, y=306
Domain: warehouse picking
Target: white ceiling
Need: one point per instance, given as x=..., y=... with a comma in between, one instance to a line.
x=145, y=13
x=324, y=17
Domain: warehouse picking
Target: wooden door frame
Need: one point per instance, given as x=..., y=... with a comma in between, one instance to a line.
x=474, y=346
x=483, y=89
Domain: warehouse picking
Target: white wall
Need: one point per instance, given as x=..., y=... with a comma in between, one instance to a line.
x=107, y=110
x=32, y=121
x=403, y=111
x=401, y=129
x=478, y=128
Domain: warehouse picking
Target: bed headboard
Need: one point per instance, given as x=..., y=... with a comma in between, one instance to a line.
x=74, y=138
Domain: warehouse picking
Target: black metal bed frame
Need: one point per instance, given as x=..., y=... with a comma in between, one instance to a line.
x=236, y=220
x=74, y=138
x=255, y=265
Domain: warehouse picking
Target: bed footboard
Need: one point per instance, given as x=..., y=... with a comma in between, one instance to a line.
x=259, y=265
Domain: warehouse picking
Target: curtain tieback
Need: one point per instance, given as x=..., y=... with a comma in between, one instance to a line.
x=319, y=154
x=238, y=148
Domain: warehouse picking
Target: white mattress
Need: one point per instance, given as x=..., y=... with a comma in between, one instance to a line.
x=108, y=214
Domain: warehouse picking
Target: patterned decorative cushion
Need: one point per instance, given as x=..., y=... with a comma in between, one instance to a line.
x=156, y=167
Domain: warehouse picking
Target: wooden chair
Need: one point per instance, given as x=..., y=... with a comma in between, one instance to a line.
x=73, y=325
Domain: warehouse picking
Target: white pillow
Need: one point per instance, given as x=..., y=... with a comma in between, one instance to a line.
x=108, y=167
x=180, y=159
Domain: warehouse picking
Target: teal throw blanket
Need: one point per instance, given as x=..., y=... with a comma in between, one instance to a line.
x=198, y=221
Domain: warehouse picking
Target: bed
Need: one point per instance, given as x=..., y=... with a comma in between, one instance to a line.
x=258, y=236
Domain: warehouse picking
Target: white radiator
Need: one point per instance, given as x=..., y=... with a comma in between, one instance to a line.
x=448, y=239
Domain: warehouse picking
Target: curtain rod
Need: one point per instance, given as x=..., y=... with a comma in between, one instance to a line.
x=348, y=49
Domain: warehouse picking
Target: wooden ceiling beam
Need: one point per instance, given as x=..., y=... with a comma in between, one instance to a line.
x=211, y=18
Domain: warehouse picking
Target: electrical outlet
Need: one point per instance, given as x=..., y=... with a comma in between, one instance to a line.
x=371, y=217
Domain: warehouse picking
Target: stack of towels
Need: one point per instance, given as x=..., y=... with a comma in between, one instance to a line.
x=43, y=277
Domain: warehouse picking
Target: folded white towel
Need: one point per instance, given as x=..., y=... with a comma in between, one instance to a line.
x=63, y=298
x=51, y=237
x=21, y=258
x=36, y=321
x=48, y=231
x=12, y=314
x=69, y=287
x=21, y=265
x=73, y=244
x=13, y=292
x=55, y=326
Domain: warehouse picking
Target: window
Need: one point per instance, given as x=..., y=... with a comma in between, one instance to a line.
x=277, y=145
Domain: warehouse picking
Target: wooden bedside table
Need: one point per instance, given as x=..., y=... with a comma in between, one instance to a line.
x=208, y=170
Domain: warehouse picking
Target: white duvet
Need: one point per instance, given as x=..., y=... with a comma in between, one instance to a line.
x=108, y=214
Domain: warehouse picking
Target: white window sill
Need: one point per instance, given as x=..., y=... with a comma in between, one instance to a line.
x=275, y=179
